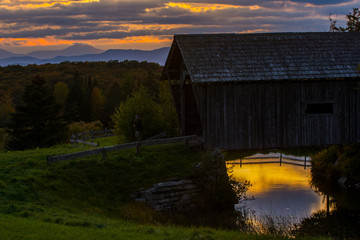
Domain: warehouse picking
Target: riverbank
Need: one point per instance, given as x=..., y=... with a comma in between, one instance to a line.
x=88, y=198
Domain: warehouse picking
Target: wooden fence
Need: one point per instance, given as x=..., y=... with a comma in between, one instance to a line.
x=280, y=158
x=104, y=150
x=91, y=135
x=95, y=134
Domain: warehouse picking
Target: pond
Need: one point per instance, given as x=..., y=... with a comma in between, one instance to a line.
x=277, y=190
x=281, y=194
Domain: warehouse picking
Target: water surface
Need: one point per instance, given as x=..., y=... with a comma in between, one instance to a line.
x=278, y=190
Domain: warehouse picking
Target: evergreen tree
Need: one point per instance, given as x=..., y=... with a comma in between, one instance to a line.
x=86, y=107
x=61, y=92
x=75, y=99
x=113, y=98
x=6, y=109
x=97, y=104
x=36, y=123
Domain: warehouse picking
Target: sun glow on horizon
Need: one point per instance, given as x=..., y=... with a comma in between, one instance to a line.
x=23, y=45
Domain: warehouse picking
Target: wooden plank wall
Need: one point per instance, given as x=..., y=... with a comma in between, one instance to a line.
x=357, y=93
x=256, y=115
x=192, y=122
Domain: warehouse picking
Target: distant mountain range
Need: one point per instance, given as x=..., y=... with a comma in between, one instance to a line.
x=82, y=53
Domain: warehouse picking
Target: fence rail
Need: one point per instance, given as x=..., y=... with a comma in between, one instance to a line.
x=95, y=134
x=84, y=142
x=104, y=150
x=280, y=158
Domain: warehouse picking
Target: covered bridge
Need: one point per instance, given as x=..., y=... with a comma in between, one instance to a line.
x=271, y=90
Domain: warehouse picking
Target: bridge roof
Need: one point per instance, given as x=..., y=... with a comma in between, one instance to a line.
x=265, y=56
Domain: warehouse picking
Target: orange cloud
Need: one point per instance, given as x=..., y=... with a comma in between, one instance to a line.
x=32, y=4
x=145, y=39
x=204, y=7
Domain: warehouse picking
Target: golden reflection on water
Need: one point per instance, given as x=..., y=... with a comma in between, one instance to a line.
x=278, y=188
x=267, y=176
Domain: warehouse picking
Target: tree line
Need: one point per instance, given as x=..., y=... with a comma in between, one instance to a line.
x=84, y=89
x=39, y=102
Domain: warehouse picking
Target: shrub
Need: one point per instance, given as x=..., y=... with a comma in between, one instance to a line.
x=323, y=163
x=337, y=161
x=350, y=162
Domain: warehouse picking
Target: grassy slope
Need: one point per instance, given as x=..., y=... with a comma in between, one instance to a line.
x=22, y=228
x=88, y=198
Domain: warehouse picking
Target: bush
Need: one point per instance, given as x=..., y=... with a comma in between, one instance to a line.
x=337, y=161
x=140, y=103
x=350, y=162
x=323, y=163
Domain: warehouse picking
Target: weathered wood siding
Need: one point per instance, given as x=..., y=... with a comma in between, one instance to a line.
x=271, y=114
x=191, y=123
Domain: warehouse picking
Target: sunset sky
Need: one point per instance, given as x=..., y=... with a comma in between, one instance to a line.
x=27, y=25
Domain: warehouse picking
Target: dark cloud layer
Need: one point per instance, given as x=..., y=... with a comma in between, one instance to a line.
x=120, y=19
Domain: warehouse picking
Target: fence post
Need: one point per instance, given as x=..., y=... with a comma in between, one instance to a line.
x=327, y=205
x=186, y=143
x=280, y=158
x=103, y=154
x=72, y=140
x=92, y=135
x=138, y=145
x=105, y=132
x=305, y=162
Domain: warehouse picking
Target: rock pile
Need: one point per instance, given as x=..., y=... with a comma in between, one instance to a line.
x=172, y=196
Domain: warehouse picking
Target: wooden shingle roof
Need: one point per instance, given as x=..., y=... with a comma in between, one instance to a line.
x=266, y=56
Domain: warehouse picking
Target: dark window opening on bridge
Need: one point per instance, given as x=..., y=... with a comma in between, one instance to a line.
x=319, y=108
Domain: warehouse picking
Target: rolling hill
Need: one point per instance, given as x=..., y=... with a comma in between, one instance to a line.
x=82, y=53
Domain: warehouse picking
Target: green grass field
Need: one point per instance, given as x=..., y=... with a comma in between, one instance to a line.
x=87, y=198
